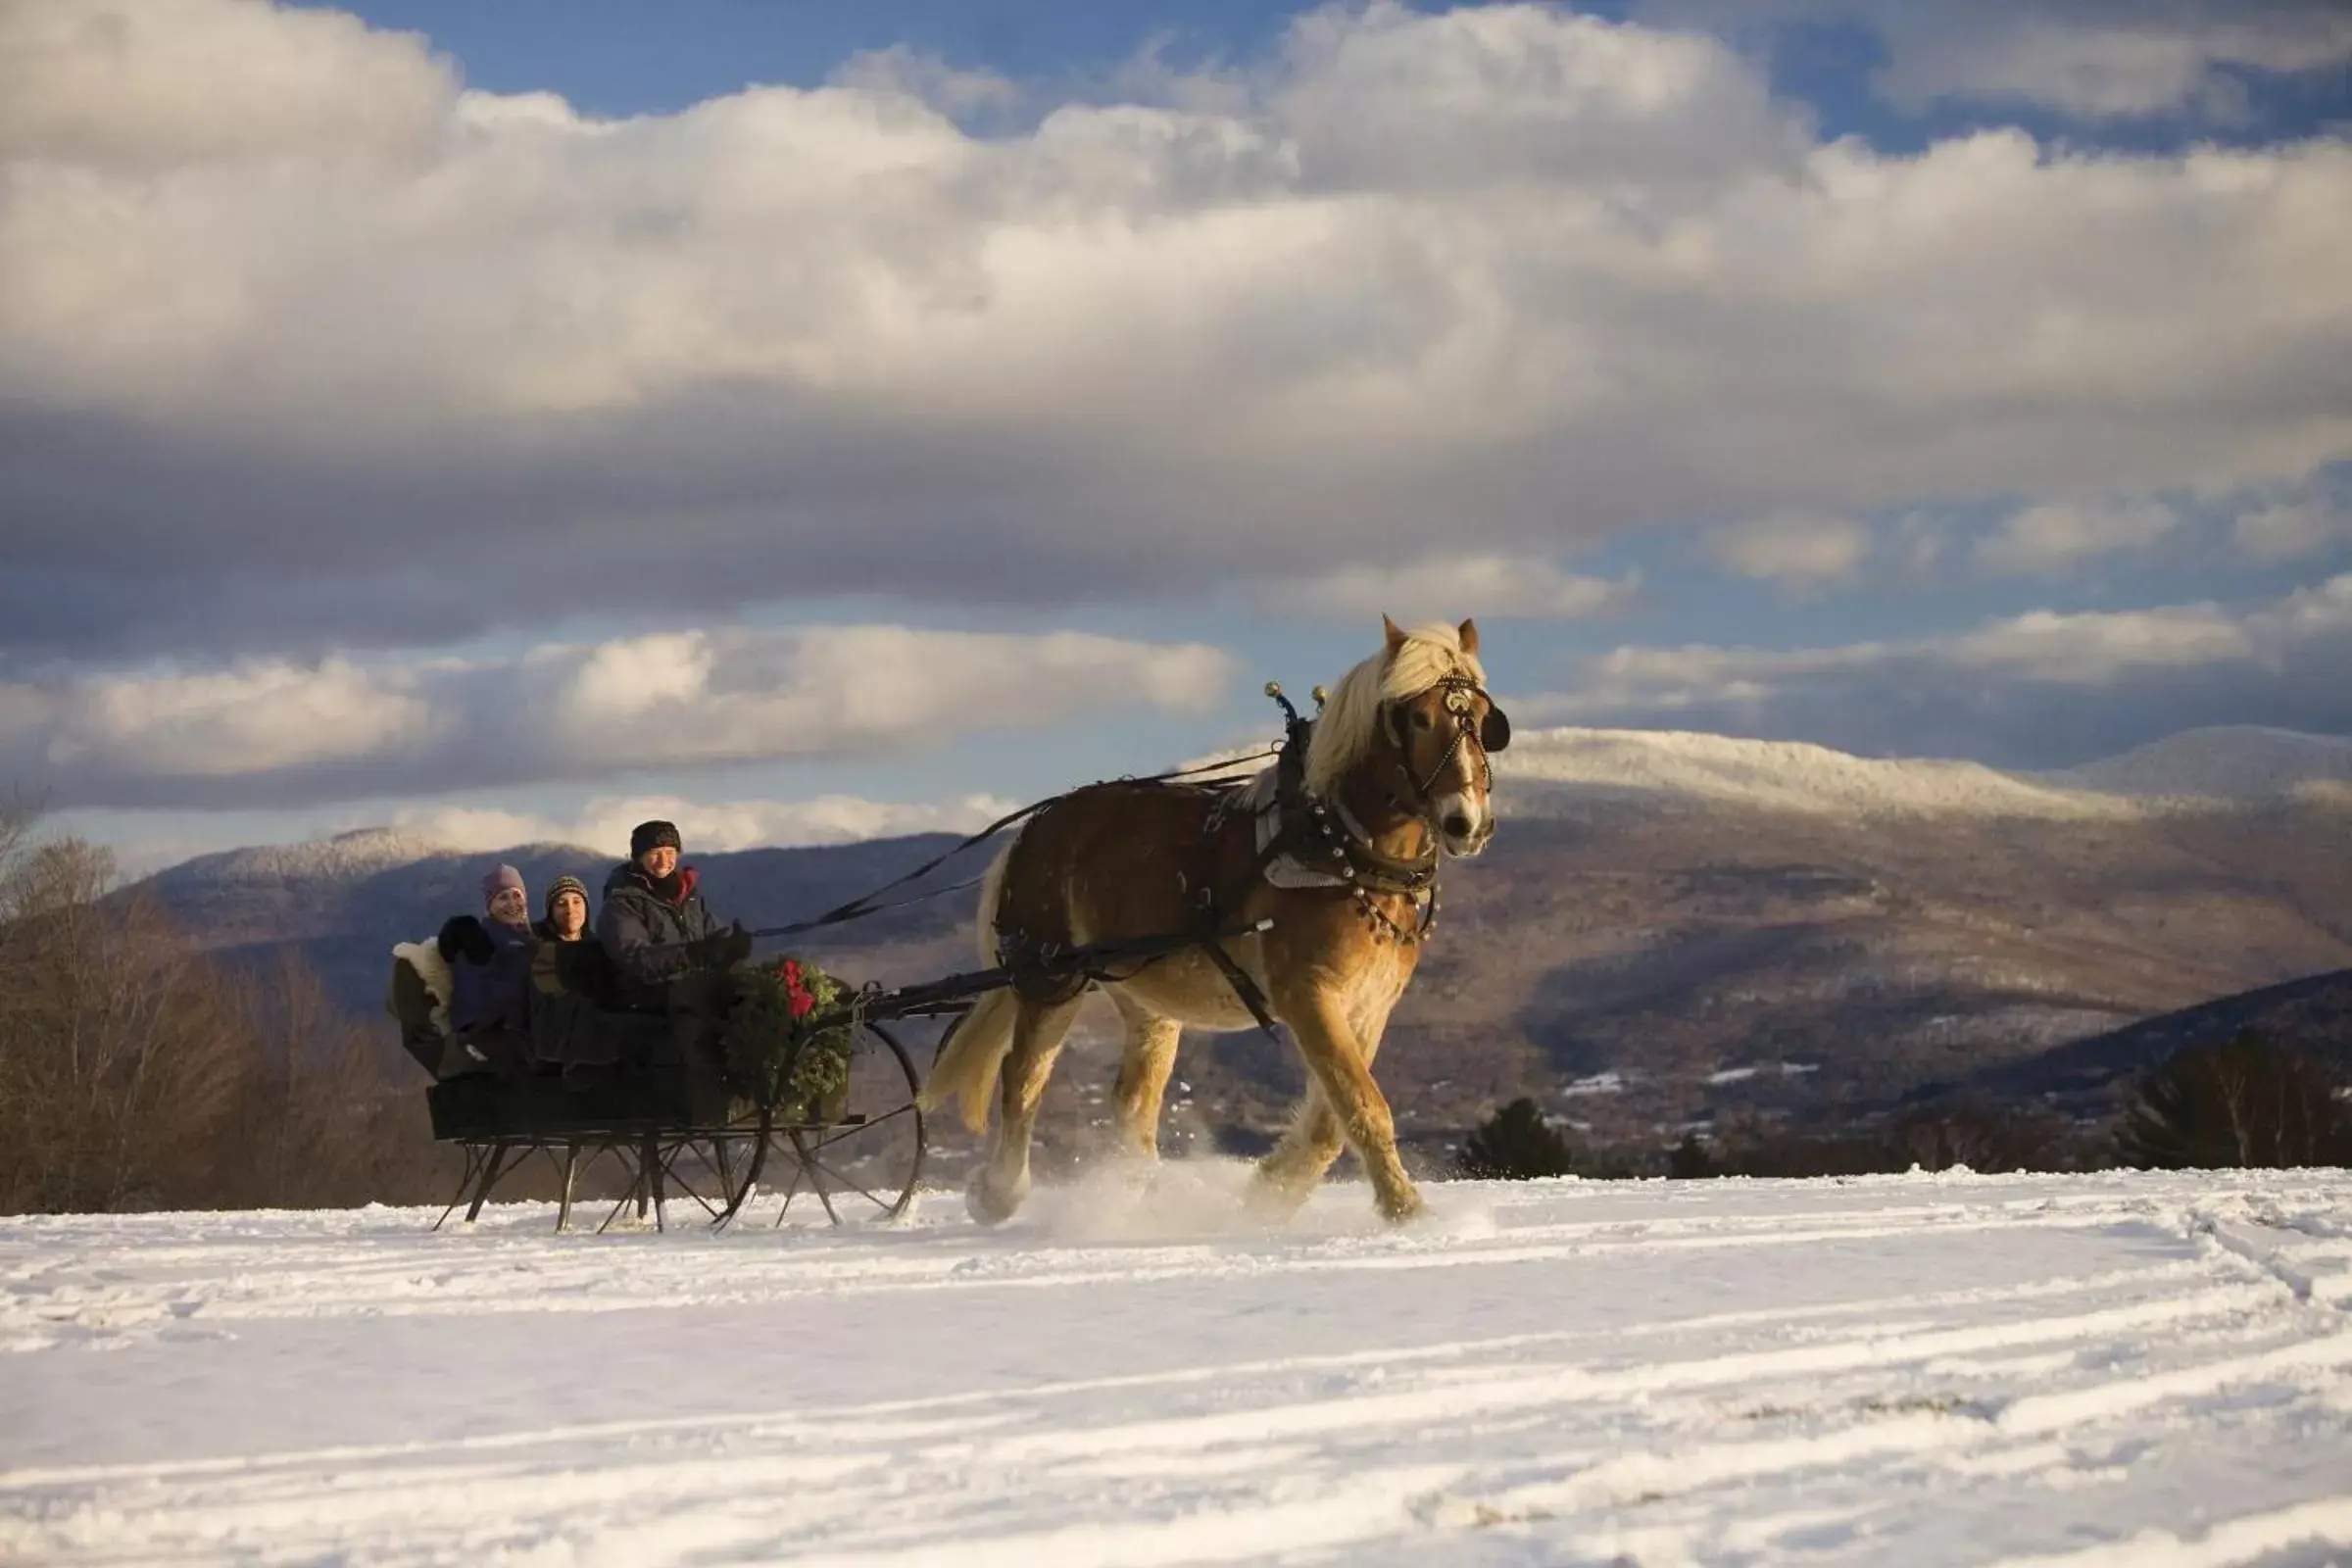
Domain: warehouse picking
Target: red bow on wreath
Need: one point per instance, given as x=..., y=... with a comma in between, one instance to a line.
x=803, y=1001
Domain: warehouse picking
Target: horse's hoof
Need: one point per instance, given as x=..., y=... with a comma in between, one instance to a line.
x=1273, y=1203
x=986, y=1203
x=1404, y=1208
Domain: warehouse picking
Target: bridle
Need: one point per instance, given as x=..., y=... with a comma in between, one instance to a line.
x=1370, y=873
x=1460, y=703
x=1331, y=833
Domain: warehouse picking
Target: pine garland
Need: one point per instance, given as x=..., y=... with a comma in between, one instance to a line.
x=774, y=1020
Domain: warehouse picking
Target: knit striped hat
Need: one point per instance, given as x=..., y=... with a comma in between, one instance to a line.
x=560, y=886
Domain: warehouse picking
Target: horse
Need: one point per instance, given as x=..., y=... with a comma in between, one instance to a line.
x=1337, y=847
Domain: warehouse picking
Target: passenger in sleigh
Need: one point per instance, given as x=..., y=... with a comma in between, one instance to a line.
x=574, y=1029
x=490, y=972
x=666, y=949
x=570, y=958
x=462, y=998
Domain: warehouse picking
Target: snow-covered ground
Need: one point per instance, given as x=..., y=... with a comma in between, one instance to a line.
x=2127, y=1369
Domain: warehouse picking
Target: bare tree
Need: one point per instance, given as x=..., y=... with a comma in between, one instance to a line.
x=1983, y=1137
x=329, y=1114
x=118, y=1046
x=136, y=1073
x=2247, y=1101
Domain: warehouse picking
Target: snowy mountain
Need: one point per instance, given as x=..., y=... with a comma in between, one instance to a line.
x=2239, y=763
x=356, y=854
x=1782, y=777
x=1662, y=911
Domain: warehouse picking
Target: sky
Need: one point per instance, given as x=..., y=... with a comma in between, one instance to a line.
x=508, y=421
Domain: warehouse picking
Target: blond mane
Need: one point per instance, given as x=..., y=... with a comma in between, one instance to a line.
x=1350, y=720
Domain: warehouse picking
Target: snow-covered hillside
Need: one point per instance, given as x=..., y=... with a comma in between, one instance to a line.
x=2148, y=1370
x=1778, y=775
x=2233, y=762
x=345, y=856
x=1547, y=768
x=2209, y=768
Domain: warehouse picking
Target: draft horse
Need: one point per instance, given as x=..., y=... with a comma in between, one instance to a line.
x=1339, y=846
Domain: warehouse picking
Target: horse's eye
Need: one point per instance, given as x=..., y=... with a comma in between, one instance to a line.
x=1420, y=719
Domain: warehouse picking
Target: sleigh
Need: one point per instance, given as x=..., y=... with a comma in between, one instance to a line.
x=693, y=1132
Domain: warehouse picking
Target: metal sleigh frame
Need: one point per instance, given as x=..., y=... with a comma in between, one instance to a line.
x=718, y=1158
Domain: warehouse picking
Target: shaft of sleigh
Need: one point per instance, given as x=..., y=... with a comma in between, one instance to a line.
x=952, y=993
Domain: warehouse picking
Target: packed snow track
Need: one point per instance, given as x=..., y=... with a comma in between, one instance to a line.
x=2123, y=1369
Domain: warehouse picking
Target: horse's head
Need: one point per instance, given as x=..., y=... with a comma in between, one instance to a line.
x=1443, y=734
x=1412, y=726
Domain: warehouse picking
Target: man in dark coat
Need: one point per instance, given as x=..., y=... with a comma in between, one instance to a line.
x=654, y=926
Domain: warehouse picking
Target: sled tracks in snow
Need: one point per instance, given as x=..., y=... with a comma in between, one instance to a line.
x=2135, y=1370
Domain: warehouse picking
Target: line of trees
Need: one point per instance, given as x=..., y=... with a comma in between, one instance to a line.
x=2247, y=1102
x=136, y=1073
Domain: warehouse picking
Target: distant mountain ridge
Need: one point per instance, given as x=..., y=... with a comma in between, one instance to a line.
x=2312, y=1014
x=1787, y=775
x=1660, y=913
x=2234, y=763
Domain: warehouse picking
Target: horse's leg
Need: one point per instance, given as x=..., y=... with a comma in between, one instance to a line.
x=1308, y=1146
x=1314, y=1138
x=1145, y=1065
x=1288, y=1174
x=1335, y=1059
x=1002, y=1180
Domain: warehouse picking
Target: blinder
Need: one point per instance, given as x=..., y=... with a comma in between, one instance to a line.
x=1493, y=732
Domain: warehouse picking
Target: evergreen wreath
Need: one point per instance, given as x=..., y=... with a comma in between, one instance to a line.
x=789, y=1011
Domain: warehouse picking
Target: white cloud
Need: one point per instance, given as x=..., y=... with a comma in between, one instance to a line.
x=678, y=702
x=2032, y=688
x=2058, y=536
x=1443, y=586
x=282, y=303
x=252, y=717
x=1800, y=549
x=2290, y=530
x=2094, y=648
x=2093, y=59
x=902, y=71
x=2121, y=68
x=603, y=822
x=175, y=84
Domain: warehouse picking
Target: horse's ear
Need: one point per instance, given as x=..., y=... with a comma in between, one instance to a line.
x=1396, y=636
x=1470, y=638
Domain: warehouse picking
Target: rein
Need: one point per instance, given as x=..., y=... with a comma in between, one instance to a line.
x=873, y=902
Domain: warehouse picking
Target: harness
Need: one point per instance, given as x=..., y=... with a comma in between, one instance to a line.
x=1322, y=838
x=1305, y=841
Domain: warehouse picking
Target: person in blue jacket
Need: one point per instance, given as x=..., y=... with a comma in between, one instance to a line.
x=490, y=961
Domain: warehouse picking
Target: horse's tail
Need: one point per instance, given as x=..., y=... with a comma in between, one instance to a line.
x=973, y=1054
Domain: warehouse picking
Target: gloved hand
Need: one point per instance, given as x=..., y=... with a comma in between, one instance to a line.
x=722, y=949
x=462, y=936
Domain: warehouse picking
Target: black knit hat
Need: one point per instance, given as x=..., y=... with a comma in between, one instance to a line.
x=653, y=836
